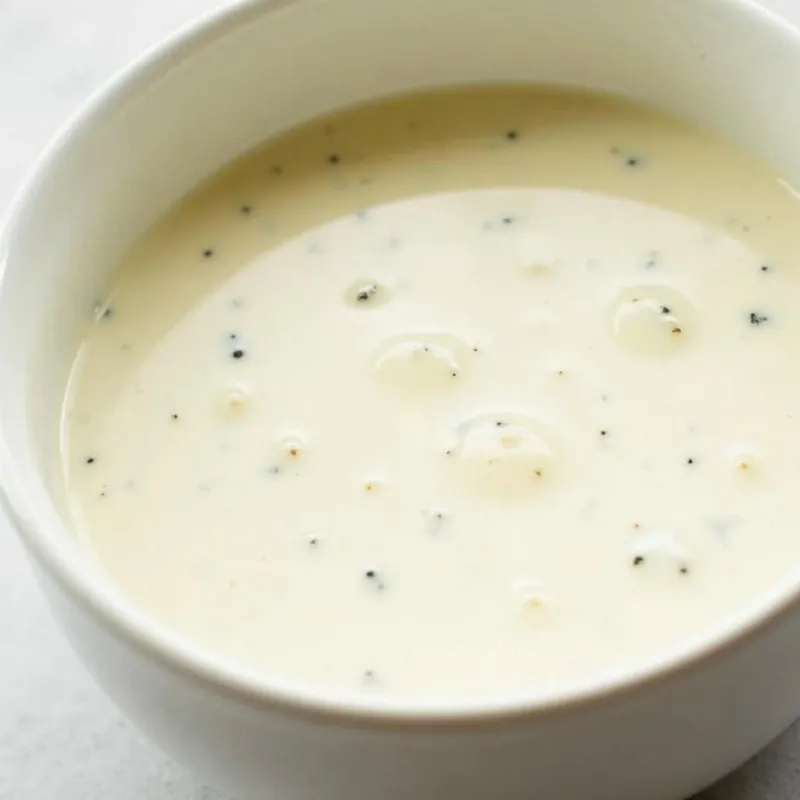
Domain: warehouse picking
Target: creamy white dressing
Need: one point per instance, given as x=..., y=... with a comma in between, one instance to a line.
x=456, y=393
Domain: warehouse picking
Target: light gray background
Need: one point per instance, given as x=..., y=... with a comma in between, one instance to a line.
x=60, y=739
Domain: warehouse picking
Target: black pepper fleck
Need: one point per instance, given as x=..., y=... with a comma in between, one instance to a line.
x=632, y=161
x=690, y=461
x=174, y=417
x=375, y=579
x=208, y=252
x=512, y=135
x=245, y=209
x=238, y=353
x=765, y=268
x=334, y=158
x=665, y=310
x=758, y=319
x=508, y=220
x=366, y=293
x=604, y=433
x=90, y=460
x=108, y=313
x=638, y=561
x=684, y=570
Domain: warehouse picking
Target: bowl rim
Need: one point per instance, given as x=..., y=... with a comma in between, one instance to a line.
x=48, y=539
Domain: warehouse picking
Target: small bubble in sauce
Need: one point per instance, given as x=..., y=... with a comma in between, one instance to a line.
x=504, y=454
x=661, y=550
x=419, y=362
x=746, y=461
x=234, y=399
x=651, y=319
x=292, y=446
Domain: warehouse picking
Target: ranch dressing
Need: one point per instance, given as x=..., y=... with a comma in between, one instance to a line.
x=458, y=393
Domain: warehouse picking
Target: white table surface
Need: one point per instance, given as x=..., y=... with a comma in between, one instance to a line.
x=60, y=738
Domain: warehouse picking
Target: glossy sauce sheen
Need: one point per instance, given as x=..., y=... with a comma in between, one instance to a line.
x=461, y=393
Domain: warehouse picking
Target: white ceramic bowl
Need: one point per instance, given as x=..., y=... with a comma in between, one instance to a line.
x=657, y=733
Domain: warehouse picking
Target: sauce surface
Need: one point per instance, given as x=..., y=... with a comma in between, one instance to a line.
x=457, y=393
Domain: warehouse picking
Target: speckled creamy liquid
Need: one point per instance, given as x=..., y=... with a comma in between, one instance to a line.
x=460, y=393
